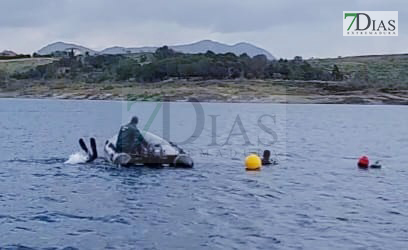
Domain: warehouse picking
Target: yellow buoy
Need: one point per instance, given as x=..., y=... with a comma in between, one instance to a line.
x=253, y=162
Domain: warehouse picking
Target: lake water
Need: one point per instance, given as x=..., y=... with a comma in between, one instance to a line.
x=315, y=198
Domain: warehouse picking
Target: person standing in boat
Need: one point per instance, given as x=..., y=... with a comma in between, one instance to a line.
x=130, y=140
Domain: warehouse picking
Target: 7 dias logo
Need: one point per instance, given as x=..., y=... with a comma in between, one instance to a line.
x=370, y=23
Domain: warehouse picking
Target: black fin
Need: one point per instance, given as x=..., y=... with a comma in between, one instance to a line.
x=83, y=145
x=93, y=148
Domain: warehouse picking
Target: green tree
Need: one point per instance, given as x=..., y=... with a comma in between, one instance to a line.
x=126, y=69
x=258, y=65
x=209, y=53
x=143, y=58
x=3, y=76
x=164, y=52
x=336, y=74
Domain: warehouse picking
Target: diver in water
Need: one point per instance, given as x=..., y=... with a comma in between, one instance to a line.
x=130, y=140
x=266, y=158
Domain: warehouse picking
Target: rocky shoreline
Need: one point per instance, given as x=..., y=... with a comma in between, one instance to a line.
x=211, y=91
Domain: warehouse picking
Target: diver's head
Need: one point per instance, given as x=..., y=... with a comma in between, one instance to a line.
x=134, y=120
x=266, y=154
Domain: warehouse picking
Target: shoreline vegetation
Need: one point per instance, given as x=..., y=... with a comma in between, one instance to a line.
x=233, y=91
x=207, y=77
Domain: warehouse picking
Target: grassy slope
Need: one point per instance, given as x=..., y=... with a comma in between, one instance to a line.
x=369, y=79
x=390, y=70
x=21, y=65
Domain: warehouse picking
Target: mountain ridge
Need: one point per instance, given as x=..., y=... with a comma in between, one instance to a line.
x=62, y=46
x=192, y=48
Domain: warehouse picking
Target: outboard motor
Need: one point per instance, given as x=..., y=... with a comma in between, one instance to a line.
x=183, y=161
x=156, y=151
x=154, y=154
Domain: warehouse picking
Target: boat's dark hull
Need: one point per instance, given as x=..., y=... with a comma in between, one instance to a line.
x=159, y=153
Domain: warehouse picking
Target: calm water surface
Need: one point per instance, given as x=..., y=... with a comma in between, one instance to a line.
x=315, y=198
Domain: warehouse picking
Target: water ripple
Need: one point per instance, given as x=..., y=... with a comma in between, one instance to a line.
x=316, y=198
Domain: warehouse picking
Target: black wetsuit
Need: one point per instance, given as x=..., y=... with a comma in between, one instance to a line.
x=130, y=140
x=266, y=157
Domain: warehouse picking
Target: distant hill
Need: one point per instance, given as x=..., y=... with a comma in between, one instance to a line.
x=193, y=48
x=216, y=47
x=61, y=46
x=8, y=53
x=117, y=50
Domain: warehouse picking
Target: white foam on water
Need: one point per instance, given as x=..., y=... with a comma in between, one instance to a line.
x=76, y=158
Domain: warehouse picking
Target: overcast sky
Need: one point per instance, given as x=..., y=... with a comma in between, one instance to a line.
x=285, y=28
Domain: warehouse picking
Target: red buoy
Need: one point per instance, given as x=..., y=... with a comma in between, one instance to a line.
x=363, y=162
